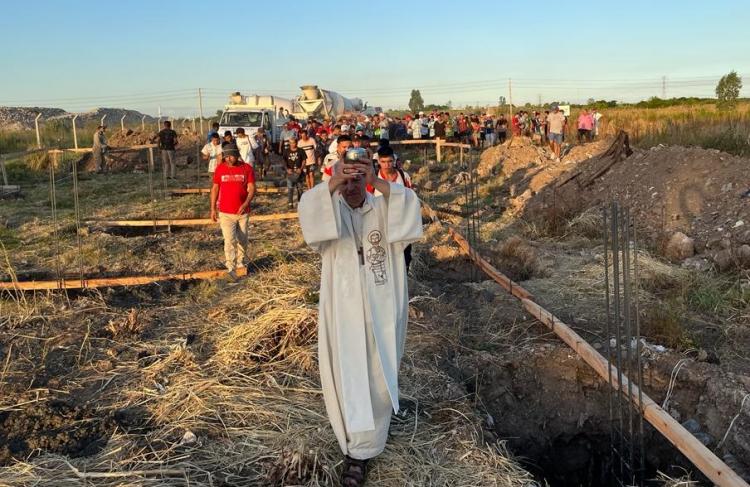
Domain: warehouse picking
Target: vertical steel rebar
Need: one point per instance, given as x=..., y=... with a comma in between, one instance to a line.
x=639, y=364
x=608, y=324
x=628, y=332
x=151, y=184
x=53, y=208
x=617, y=324
x=77, y=214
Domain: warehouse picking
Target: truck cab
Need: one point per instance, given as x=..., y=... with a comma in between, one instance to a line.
x=253, y=112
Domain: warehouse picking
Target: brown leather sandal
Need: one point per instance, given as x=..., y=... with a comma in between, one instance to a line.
x=354, y=473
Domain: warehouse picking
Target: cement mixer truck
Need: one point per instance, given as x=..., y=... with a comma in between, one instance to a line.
x=318, y=103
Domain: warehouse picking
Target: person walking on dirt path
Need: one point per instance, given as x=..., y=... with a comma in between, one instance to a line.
x=294, y=158
x=167, y=145
x=246, y=145
x=363, y=306
x=211, y=152
x=308, y=144
x=556, y=123
x=390, y=170
x=231, y=193
x=262, y=152
x=99, y=149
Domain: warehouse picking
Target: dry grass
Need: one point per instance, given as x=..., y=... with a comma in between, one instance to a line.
x=518, y=259
x=242, y=406
x=587, y=224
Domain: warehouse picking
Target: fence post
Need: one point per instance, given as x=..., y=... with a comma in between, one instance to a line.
x=438, y=149
x=36, y=127
x=75, y=132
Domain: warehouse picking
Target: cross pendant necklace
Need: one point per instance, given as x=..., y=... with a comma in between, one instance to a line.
x=358, y=241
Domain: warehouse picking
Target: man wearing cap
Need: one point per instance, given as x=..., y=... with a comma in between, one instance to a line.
x=363, y=306
x=232, y=191
x=99, y=149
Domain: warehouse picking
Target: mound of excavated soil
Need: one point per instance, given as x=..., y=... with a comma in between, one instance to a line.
x=695, y=191
x=187, y=145
x=527, y=168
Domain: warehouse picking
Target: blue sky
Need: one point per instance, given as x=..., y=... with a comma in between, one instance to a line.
x=137, y=54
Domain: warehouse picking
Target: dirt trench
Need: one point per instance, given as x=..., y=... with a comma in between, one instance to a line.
x=551, y=408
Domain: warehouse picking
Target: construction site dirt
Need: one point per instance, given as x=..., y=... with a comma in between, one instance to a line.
x=216, y=382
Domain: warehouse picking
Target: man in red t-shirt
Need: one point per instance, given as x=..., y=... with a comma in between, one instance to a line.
x=231, y=194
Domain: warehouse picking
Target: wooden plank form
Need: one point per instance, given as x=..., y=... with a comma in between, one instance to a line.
x=183, y=222
x=113, y=281
x=258, y=189
x=703, y=458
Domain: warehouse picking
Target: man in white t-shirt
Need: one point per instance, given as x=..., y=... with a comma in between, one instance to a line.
x=307, y=144
x=211, y=152
x=556, y=124
x=246, y=145
x=416, y=128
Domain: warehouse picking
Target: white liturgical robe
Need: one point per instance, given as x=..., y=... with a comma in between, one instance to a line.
x=363, y=307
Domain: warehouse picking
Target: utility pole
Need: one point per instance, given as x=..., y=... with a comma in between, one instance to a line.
x=539, y=102
x=510, y=97
x=663, y=87
x=200, y=110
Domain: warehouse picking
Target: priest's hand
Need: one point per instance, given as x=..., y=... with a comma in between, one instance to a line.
x=339, y=177
x=364, y=167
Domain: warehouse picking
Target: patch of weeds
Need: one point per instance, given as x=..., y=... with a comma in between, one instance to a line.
x=663, y=324
x=204, y=291
x=9, y=238
x=518, y=259
x=715, y=295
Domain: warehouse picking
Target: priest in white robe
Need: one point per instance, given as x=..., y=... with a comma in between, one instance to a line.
x=363, y=302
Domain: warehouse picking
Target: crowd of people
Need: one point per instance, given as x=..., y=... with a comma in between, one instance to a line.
x=361, y=217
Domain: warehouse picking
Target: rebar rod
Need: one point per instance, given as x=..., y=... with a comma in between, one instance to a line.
x=53, y=208
x=639, y=364
x=608, y=324
x=77, y=213
x=628, y=329
x=617, y=323
x=151, y=184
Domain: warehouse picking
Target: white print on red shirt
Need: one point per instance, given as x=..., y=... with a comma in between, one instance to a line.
x=232, y=178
